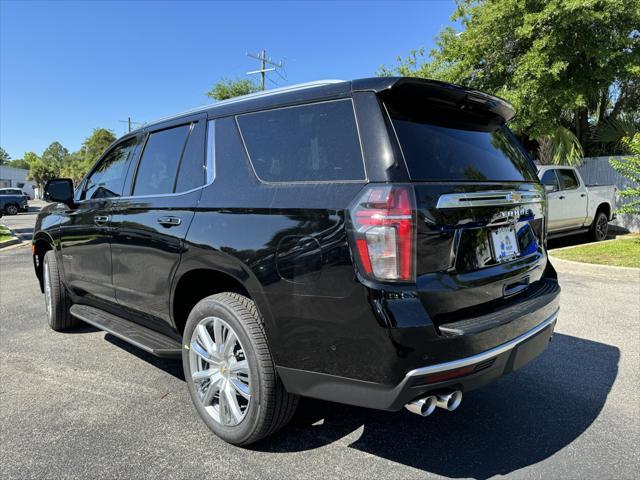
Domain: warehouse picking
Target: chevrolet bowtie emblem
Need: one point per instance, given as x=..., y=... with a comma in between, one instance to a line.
x=514, y=197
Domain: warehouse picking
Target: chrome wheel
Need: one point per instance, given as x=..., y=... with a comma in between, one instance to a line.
x=47, y=291
x=12, y=210
x=220, y=371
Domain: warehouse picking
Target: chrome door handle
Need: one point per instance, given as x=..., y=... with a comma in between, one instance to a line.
x=169, y=221
x=101, y=220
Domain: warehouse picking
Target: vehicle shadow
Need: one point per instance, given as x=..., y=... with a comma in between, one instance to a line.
x=25, y=234
x=583, y=238
x=518, y=421
x=172, y=367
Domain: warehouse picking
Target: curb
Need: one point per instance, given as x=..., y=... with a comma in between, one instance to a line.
x=10, y=242
x=14, y=242
x=12, y=246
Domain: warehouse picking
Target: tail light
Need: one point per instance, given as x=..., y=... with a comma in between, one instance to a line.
x=383, y=230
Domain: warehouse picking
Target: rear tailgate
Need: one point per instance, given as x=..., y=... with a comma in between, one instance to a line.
x=481, y=209
x=477, y=246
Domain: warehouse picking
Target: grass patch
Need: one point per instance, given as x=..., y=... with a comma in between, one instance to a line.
x=623, y=252
x=5, y=234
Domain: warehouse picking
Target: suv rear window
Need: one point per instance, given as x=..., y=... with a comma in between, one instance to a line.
x=442, y=144
x=308, y=143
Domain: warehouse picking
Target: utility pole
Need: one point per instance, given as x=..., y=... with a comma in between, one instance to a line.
x=263, y=66
x=129, y=123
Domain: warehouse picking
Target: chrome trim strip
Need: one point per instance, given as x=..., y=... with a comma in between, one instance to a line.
x=488, y=198
x=486, y=355
x=210, y=168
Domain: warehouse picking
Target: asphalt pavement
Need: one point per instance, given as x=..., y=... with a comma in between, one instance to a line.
x=85, y=404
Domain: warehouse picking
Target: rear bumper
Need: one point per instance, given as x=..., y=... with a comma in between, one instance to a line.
x=493, y=364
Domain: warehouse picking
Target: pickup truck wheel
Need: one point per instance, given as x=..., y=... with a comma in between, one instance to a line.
x=11, y=209
x=55, y=295
x=600, y=227
x=230, y=373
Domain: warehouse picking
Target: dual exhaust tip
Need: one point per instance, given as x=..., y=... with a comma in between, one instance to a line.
x=425, y=406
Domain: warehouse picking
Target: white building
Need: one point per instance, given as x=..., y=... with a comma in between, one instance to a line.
x=16, y=178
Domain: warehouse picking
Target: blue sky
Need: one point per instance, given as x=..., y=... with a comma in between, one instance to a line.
x=69, y=67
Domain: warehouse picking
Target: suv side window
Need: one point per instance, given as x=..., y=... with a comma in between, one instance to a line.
x=549, y=178
x=568, y=180
x=307, y=143
x=159, y=162
x=107, y=179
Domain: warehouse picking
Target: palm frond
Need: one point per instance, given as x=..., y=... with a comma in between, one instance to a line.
x=613, y=130
x=560, y=147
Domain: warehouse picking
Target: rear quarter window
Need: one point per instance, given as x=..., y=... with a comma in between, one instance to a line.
x=308, y=143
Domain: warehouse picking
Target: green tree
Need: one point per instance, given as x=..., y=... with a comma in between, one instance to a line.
x=49, y=165
x=227, y=88
x=41, y=172
x=55, y=156
x=4, y=156
x=96, y=144
x=629, y=167
x=19, y=163
x=565, y=65
x=79, y=163
x=30, y=158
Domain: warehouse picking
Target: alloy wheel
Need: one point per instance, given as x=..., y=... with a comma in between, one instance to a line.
x=220, y=371
x=601, y=227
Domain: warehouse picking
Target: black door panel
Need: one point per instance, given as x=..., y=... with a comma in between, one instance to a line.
x=86, y=251
x=146, y=252
x=149, y=229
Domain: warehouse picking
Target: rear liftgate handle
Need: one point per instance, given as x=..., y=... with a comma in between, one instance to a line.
x=169, y=221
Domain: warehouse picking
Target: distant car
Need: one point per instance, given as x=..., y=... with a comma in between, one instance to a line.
x=16, y=191
x=575, y=207
x=11, y=203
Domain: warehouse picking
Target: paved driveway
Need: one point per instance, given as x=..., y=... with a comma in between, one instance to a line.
x=84, y=404
x=22, y=223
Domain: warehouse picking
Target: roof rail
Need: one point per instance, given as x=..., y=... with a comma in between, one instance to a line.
x=249, y=96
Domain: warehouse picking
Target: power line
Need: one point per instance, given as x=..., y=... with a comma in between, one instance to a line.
x=130, y=122
x=262, y=56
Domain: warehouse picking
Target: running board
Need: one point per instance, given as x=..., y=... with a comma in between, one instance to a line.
x=144, y=338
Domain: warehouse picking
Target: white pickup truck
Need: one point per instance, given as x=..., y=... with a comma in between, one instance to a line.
x=575, y=207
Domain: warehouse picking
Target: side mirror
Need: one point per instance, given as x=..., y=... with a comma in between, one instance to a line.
x=550, y=188
x=59, y=190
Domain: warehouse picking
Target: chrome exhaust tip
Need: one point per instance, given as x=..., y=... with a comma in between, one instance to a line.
x=422, y=406
x=449, y=401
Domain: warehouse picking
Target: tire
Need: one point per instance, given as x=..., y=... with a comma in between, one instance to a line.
x=56, y=297
x=599, y=227
x=11, y=209
x=219, y=395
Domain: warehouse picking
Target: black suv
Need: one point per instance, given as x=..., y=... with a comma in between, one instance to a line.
x=377, y=242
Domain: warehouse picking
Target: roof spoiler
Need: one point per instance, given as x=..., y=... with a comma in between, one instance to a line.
x=455, y=95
